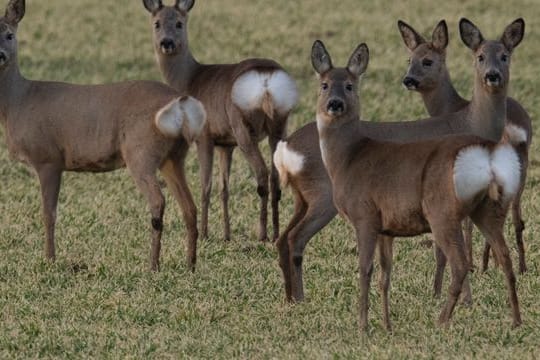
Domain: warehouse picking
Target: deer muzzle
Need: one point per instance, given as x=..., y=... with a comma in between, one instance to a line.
x=167, y=46
x=493, y=78
x=3, y=58
x=335, y=107
x=410, y=83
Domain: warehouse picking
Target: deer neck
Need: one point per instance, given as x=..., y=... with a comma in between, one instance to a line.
x=443, y=99
x=336, y=142
x=487, y=112
x=178, y=70
x=12, y=88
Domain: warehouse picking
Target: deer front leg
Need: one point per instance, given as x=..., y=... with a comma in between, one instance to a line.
x=205, y=152
x=385, y=245
x=50, y=177
x=225, y=161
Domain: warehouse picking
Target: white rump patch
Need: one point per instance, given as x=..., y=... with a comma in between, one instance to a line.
x=182, y=113
x=249, y=90
x=287, y=161
x=515, y=134
x=507, y=170
x=169, y=119
x=195, y=115
x=472, y=172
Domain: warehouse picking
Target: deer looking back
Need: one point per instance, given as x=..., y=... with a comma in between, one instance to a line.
x=245, y=102
x=428, y=75
x=391, y=189
x=300, y=164
x=56, y=127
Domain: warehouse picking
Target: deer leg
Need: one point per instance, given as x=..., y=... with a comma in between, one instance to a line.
x=50, y=177
x=174, y=174
x=490, y=220
x=225, y=161
x=249, y=147
x=282, y=244
x=467, y=238
x=449, y=237
x=519, y=224
x=318, y=215
x=385, y=246
x=275, y=190
x=366, y=238
x=205, y=153
x=440, y=261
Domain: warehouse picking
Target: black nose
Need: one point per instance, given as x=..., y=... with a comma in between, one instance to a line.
x=410, y=83
x=3, y=57
x=493, y=77
x=167, y=44
x=336, y=106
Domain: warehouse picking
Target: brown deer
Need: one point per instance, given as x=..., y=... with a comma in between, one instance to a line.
x=244, y=101
x=428, y=75
x=56, y=127
x=299, y=162
x=407, y=189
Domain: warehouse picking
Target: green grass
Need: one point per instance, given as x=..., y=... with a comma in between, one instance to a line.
x=99, y=299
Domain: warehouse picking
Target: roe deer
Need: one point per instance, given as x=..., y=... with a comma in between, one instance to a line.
x=56, y=127
x=244, y=101
x=299, y=163
x=407, y=189
x=428, y=74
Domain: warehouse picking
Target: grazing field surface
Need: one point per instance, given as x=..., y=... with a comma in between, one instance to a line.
x=100, y=300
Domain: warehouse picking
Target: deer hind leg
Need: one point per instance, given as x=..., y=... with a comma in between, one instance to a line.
x=282, y=244
x=205, y=153
x=385, y=246
x=275, y=135
x=317, y=216
x=468, y=239
x=489, y=218
x=50, y=177
x=174, y=174
x=225, y=161
x=249, y=146
x=449, y=238
x=519, y=224
x=438, y=279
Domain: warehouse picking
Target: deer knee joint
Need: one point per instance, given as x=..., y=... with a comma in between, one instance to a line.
x=297, y=260
x=157, y=224
x=262, y=191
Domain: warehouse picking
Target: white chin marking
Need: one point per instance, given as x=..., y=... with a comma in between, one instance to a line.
x=515, y=134
x=287, y=162
x=250, y=88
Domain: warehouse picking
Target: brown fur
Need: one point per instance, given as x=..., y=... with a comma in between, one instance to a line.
x=56, y=127
x=228, y=126
x=415, y=194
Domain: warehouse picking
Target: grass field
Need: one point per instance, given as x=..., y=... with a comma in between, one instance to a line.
x=99, y=300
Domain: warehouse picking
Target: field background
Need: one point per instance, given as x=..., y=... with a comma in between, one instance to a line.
x=99, y=299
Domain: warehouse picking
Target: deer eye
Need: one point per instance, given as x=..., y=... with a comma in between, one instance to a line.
x=427, y=62
x=324, y=86
x=480, y=58
x=157, y=25
x=179, y=25
x=349, y=87
x=504, y=58
x=10, y=36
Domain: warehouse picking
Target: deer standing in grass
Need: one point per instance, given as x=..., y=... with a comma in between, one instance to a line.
x=244, y=102
x=56, y=127
x=428, y=74
x=407, y=189
x=300, y=165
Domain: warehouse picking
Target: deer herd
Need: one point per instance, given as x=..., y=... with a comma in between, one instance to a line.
x=465, y=164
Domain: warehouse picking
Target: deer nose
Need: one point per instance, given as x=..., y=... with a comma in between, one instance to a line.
x=335, y=106
x=167, y=44
x=493, y=77
x=410, y=83
x=3, y=57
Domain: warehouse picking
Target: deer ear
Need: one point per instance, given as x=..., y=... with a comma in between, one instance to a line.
x=184, y=5
x=440, y=36
x=410, y=37
x=153, y=5
x=513, y=34
x=320, y=59
x=471, y=36
x=359, y=60
x=15, y=11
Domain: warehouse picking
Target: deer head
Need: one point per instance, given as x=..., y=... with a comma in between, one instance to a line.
x=170, y=25
x=427, y=61
x=338, y=91
x=8, y=30
x=492, y=57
